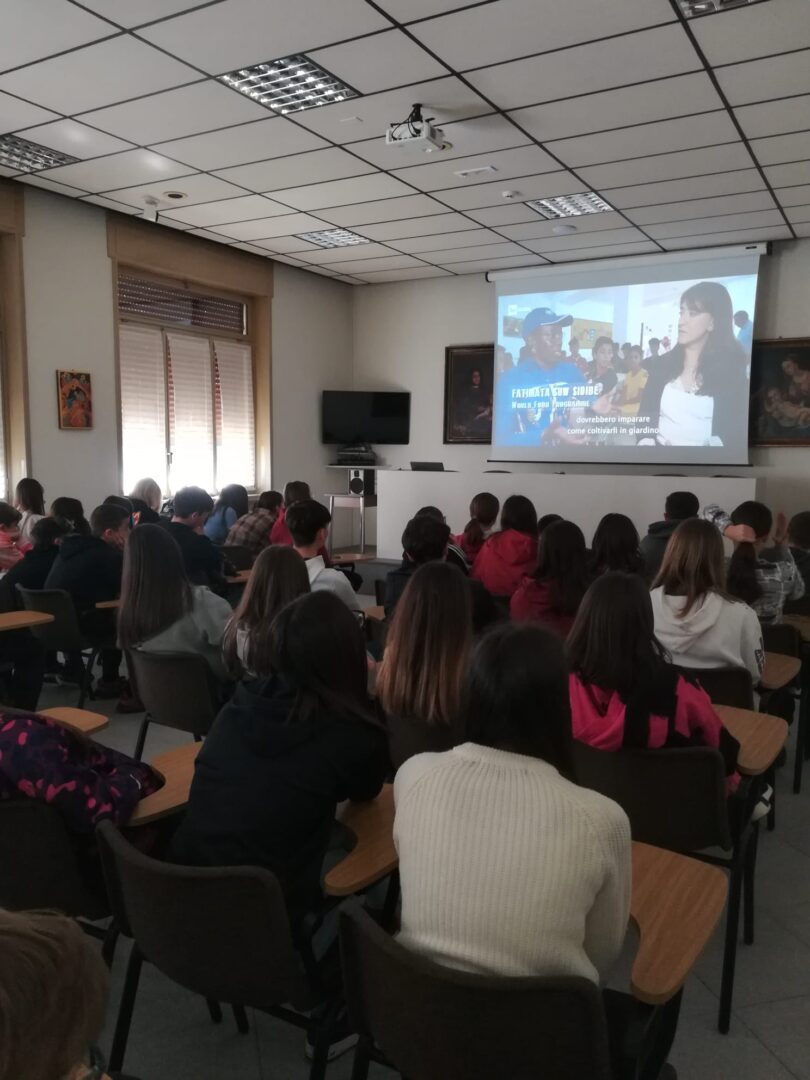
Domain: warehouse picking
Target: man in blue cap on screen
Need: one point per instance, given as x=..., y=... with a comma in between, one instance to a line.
x=541, y=384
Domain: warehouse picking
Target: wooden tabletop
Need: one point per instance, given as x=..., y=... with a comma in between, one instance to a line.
x=342, y=558
x=241, y=577
x=105, y=605
x=20, y=620
x=81, y=720
x=779, y=670
x=760, y=736
x=802, y=624
x=374, y=856
x=375, y=612
x=177, y=769
x=675, y=906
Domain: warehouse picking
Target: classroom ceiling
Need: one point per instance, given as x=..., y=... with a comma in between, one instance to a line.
x=695, y=131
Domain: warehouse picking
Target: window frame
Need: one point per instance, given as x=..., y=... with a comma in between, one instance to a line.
x=171, y=258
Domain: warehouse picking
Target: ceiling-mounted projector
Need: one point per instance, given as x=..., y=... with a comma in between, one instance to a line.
x=417, y=133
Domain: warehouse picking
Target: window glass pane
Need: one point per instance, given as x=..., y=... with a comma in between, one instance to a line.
x=191, y=415
x=236, y=454
x=143, y=404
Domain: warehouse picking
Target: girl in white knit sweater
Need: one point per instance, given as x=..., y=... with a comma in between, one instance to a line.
x=506, y=865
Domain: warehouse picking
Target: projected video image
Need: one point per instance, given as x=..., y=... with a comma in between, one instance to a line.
x=660, y=364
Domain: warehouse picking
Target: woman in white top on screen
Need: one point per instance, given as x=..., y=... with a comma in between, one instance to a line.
x=697, y=393
x=506, y=866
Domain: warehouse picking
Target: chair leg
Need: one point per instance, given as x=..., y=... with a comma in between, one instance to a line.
x=87, y=679
x=242, y=1025
x=141, y=740
x=362, y=1059
x=214, y=1010
x=730, y=951
x=749, y=875
x=110, y=941
x=125, y=1010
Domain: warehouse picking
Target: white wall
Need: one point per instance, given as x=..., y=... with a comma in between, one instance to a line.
x=312, y=351
x=69, y=321
x=401, y=330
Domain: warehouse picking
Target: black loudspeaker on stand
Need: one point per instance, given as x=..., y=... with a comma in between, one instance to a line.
x=361, y=481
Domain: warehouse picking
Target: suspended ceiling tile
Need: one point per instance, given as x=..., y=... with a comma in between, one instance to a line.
x=254, y=142
x=33, y=29
x=174, y=114
x=78, y=140
x=341, y=192
x=379, y=62
x=16, y=114
x=709, y=159
x=236, y=33
x=440, y=174
x=489, y=33
x=224, y=211
x=97, y=75
x=682, y=95
x=118, y=170
x=754, y=30
x=764, y=80
x=668, y=191
x=314, y=167
x=596, y=67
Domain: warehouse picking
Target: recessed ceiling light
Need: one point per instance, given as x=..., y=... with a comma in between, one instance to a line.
x=291, y=84
x=693, y=8
x=563, y=230
x=333, y=238
x=25, y=156
x=561, y=206
x=175, y=195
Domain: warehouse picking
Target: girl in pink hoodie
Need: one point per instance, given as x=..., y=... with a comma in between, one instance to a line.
x=624, y=691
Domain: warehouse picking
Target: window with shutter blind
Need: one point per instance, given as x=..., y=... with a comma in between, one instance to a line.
x=187, y=402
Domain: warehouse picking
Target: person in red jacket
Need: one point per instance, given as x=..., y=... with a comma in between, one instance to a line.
x=483, y=515
x=554, y=591
x=509, y=555
x=294, y=491
x=624, y=691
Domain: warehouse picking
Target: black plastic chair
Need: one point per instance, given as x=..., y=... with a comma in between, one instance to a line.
x=40, y=869
x=725, y=686
x=177, y=690
x=435, y=1023
x=240, y=558
x=786, y=639
x=676, y=799
x=221, y=933
x=64, y=633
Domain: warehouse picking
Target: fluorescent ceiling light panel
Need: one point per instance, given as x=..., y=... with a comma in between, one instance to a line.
x=693, y=8
x=333, y=238
x=291, y=84
x=561, y=206
x=26, y=156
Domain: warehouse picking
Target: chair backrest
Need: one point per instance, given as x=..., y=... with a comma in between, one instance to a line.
x=240, y=558
x=674, y=798
x=219, y=932
x=379, y=591
x=177, y=689
x=433, y=1022
x=725, y=686
x=39, y=867
x=798, y=607
x=782, y=638
x=63, y=634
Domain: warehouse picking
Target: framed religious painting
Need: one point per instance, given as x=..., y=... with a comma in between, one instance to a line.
x=468, y=385
x=780, y=393
x=75, y=397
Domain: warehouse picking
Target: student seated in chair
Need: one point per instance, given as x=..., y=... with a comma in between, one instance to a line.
x=799, y=542
x=204, y=564
x=89, y=568
x=679, y=506
x=53, y=994
x=160, y=611
x=308, y=522
x=553, y=593
x=32, y=570
x=253, y=530
x=507, y=866
x=427, y=651
x=625, y=692
x=288, y=747
x=424, y=541
x=294, y=491
x=510, y=554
